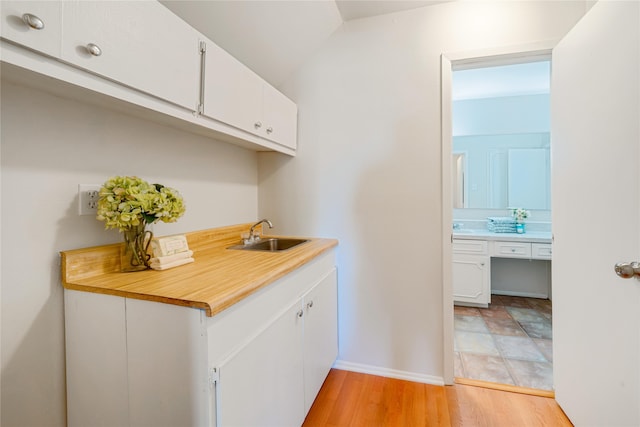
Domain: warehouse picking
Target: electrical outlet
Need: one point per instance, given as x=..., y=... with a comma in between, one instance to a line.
x=88, y=195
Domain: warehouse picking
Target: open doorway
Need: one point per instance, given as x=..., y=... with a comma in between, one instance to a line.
x=499, y=161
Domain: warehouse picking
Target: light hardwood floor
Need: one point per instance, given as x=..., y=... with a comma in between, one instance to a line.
x=353, y=399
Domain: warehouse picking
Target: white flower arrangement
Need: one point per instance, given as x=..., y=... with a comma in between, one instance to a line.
x=519, y=214
x=128, y=201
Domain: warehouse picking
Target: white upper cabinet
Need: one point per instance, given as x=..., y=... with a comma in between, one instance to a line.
x=280, y=115
x=141, y=53
x=140, y=44
x=34, y=24
x=232, y=92
x=235, y=95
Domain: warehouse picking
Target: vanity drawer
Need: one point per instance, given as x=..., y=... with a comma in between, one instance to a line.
x=511, y=250
x=478, y=247
x=541, y=250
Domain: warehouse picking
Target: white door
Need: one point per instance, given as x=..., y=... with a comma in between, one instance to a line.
x=596, y=216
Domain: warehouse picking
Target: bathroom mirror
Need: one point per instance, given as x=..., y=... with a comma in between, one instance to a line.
x=501, y=136
x=500, y=171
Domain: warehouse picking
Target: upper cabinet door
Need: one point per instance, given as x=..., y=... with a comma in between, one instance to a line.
x=232, y=92
x=280, y=117
x=140, y=44
x=235, y=95
x=39, y=30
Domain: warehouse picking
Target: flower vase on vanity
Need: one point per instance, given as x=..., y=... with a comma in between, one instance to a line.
x=520, y=215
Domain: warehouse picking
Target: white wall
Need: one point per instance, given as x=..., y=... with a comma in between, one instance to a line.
x=48, y=146
x=368, y=168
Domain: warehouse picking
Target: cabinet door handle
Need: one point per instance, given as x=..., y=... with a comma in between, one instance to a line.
x=300, y=313
x=94, y=49
x=33, y=21
x=627, y=270
x=269, y=129
x=309, y=304
x=203, y=63
x=257, y=125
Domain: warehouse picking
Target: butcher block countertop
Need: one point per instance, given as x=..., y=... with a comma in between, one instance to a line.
x=218, y=278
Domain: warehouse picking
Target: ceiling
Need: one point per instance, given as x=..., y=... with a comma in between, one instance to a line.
x=274, y=37
x=356, y=9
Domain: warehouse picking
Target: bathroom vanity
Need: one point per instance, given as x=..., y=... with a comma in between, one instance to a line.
x=473, y=252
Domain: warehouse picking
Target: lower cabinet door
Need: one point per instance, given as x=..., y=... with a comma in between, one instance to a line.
x=471, y=279
x=320, y=335
x=261, y=384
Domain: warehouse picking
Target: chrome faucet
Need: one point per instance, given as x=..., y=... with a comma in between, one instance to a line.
x=252, y=236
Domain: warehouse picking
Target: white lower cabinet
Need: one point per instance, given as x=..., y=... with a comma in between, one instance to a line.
x=320, y=339
x=282, y=368
x=260, y=385
x=471, y=279
x=471, y=272
x=261, y=362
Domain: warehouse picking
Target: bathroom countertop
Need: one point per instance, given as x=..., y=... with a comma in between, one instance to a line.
x=482, y=234
x=218, y=279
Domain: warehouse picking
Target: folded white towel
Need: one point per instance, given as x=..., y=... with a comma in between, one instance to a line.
x=177, y=263
x=168, y=259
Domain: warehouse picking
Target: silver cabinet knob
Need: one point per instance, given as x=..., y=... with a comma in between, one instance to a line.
x=94, y=49
x=257, y=125
x=627, y=270
x=269, y=129
x=310, y=304
x=300, y=313
x=33, y=21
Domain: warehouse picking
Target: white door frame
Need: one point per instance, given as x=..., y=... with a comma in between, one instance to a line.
x=497, y=56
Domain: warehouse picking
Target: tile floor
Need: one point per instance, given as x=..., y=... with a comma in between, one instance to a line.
x=507, y=343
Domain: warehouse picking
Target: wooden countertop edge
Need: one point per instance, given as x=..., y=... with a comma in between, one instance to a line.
x=114, y=292
x=95, y=270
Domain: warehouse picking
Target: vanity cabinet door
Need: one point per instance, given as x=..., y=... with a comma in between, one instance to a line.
x=261, y=384
x=471, y=279
x=45, y=32
x=139, y=44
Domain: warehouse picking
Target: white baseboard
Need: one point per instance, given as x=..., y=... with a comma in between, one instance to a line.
x=519, y=294
x=389, y=373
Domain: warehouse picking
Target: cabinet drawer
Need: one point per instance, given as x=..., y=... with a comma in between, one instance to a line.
x=511, y=250
x=541, y=250
x=479, y=247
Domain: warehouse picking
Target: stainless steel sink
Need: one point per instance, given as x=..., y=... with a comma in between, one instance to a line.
x=271, y=245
